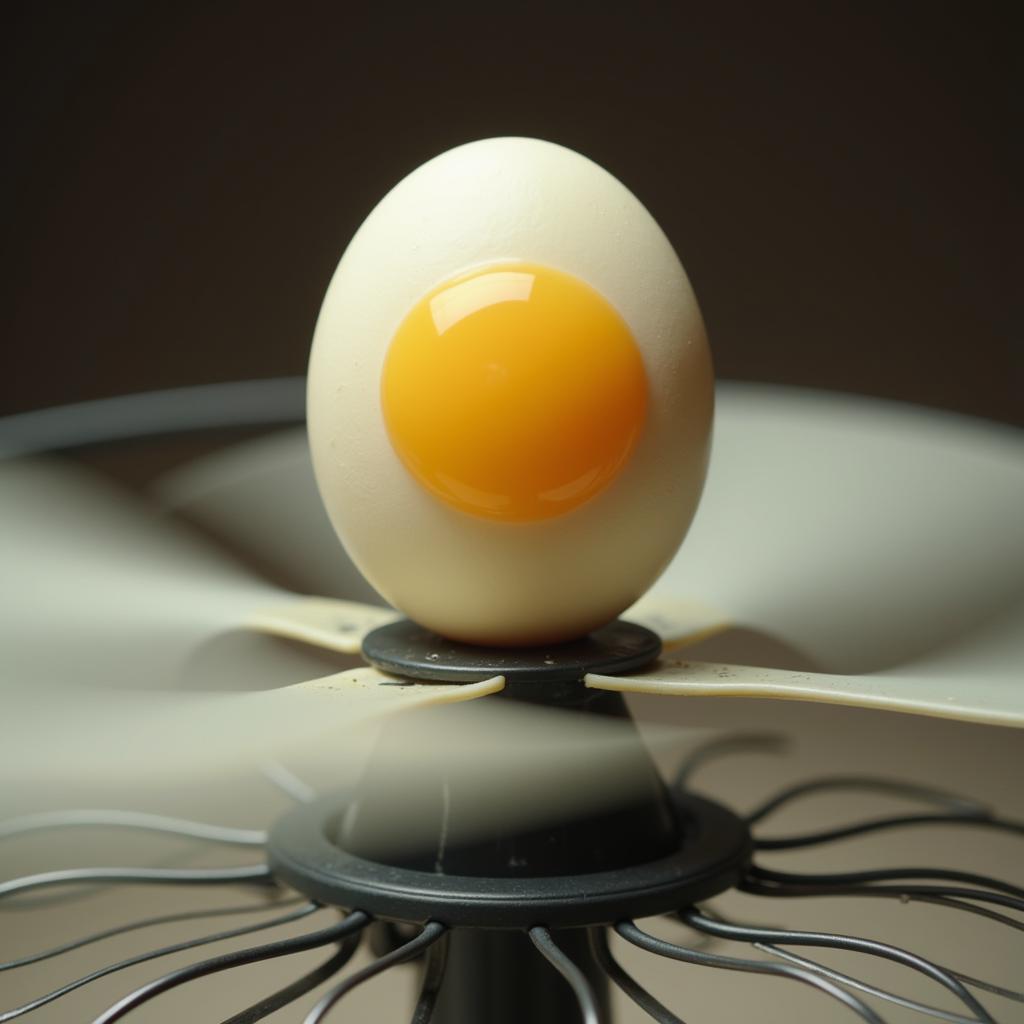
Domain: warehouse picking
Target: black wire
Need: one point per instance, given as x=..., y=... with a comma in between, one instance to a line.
x=869, y=784
x=193, y=915
x=283, y=947
x=749, y=884
x=432, y=931
x=878, y=824
x=863, y=986
x=140, y=958
x=250, y=873
x=996, y=990
x=785, y=937
x=948, y=901
x=433, y=978
x=887, y=874
x=723, y=746
x=89, y=818
x=589, y=1008
x=299, y=988
x=626, y=982
x=631, y=933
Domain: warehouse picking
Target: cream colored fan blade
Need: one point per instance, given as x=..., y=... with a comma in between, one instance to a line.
x=323, y=622
x=106, y=735
x=678, y=621
x=99, y=588
x=977, y=679
x=860, y=533
x=205, y=745
x=262, y=496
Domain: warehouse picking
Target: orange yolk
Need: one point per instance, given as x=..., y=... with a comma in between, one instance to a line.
x=514, y=392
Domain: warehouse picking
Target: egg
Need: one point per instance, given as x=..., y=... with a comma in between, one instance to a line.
x=510, y=396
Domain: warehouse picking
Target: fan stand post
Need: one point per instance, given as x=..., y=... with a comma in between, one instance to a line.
x=498, y=977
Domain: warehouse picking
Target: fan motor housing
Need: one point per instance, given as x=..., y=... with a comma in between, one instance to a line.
x=712, y=852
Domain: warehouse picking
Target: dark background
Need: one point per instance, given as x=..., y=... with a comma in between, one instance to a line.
x=838, y=178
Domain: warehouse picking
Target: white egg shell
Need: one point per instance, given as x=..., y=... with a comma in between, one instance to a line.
x=465, y=577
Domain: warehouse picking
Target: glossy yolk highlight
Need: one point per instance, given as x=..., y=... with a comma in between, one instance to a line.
x=514, y=392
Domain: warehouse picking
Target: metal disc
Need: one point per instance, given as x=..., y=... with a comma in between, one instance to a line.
x=405, y=649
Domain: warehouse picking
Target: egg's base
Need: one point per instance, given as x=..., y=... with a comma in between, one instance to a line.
x=406, y=649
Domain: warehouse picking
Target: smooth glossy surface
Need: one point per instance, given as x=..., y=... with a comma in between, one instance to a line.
x=514, y=392
x=474, y=577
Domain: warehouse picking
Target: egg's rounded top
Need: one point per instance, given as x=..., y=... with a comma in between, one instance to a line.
x=510, y=395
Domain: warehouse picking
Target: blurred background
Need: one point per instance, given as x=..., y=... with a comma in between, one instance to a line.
x=837, y=177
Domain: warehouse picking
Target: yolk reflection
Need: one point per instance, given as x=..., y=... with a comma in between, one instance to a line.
x=514, y=392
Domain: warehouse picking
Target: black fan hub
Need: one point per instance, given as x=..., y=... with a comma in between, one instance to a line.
x=406, y=649
x=711, y=854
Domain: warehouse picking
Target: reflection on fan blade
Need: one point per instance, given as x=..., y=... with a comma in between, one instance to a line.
x=261, y=495
x=545, y=763
x=63, y=732
x=679, y=622
x=977, y=680
x=99, y=589
x=861, y=533
x=322, y=622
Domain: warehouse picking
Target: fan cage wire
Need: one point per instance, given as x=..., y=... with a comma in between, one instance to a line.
x=978, y=894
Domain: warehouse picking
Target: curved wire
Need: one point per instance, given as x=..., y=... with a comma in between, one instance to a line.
x=432, y=931
x=626, y=982
x=629, y=931
x=987, y=986
x=433, y=977
x=577, y=980
x=887, y=874
x=243, y=403
x=939, y=901
x=131, y=819
x=746, y=933
x=863, y=986
x=288, y=994
x=178, y=947
x=880, y=824
x=288, y=782
x=354, y=922
x=192, y=915
x=250, y=873
x=750, y=884
x=869, y=784
x=723, y=746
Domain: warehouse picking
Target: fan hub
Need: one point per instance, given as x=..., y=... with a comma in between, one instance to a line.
x=711, y=853
x=406, y=649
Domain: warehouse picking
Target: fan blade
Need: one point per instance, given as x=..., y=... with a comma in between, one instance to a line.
x=976, y=679
x=204, y=745
x=679, y=622
x=103, y=734
x=236, y=493
x=322, y=622
x=860, y=532
x=101, y=589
